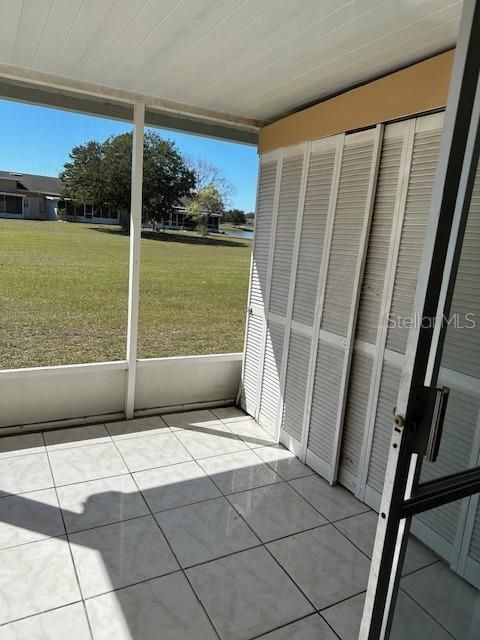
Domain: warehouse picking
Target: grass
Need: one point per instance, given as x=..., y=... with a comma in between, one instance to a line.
x=64, y=288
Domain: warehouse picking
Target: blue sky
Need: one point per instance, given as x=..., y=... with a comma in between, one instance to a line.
x=38, y=140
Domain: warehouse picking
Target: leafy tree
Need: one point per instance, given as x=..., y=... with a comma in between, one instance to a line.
x=82, y=177
x=100, y=173
x=205, y=202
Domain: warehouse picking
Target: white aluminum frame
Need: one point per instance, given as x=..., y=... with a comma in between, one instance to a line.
x=134, y=262
x=459, y=139
x=39, y=398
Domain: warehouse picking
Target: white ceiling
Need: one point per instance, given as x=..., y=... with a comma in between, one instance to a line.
x=251, y=58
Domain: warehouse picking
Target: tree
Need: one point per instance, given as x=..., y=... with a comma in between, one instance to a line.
x=83, y=178
x=100, y=173
x=205, y=202
x=207, y=174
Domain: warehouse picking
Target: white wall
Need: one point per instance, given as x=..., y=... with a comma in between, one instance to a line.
x=79, y=392
x=163, y=382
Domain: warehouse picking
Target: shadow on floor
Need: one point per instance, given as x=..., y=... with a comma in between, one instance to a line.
x=231, y=545
x=172, y=236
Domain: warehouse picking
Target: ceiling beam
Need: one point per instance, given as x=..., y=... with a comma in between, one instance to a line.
x=32, y=87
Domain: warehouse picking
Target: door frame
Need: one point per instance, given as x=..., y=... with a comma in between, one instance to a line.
x=403, y=496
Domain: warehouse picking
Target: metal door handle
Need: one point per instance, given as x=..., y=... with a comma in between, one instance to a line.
x=428, y=415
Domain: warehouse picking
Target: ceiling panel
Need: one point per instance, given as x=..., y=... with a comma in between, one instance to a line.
x=242, y=57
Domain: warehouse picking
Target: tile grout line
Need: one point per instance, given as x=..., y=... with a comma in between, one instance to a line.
x=214, y=455
x=284, y=626
x=316, y=610
x=425, y=611
x=198, y=461
x=39, y=613
x=172, y=551
x=424, y=566
x=332, y=522
x=69, y=547
x=346, y=599
x=264, y=545
x=352, y=543
x=224, y=496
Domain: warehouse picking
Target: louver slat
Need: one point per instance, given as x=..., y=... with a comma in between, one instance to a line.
x=253, y=348
x=382, y=434
x=285, y=233
x=474, y=547
x=379, y=241
x=270, y=397
x=326, y=391
x=317, y=199
x=345, y=246
x=461, y=350
x=263, y=225
x=355, y=417
x=474, y=550
x=295, y=385
x=422, y=174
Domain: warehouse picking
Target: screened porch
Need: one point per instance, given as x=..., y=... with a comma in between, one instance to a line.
x=246, y=495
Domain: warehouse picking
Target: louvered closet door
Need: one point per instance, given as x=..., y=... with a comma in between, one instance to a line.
x=324, y=156
x=279, y=290
x=460, y=370
x=337, y=302
x=373, y=297
x=255, y=329
x=403, y=274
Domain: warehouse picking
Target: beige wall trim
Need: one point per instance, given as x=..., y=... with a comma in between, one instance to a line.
x=416, y=89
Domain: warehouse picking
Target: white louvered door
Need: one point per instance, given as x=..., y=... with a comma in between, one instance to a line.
x=312, y=250
x=339, y=234
x=276, y=311
x=402, y=275
x=337, y=300
x=259, y=280
x=460, y=371
x=374, y=295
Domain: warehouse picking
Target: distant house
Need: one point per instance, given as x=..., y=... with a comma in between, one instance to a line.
x=96, y=214
x=23, y=195
x=32, y=197
x=179, y=218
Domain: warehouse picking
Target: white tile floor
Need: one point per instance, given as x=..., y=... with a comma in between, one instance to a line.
x=191, y=526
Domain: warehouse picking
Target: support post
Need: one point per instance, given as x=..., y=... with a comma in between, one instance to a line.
x=134, y=261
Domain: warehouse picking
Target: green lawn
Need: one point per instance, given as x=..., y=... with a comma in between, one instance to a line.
x=63, y=293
